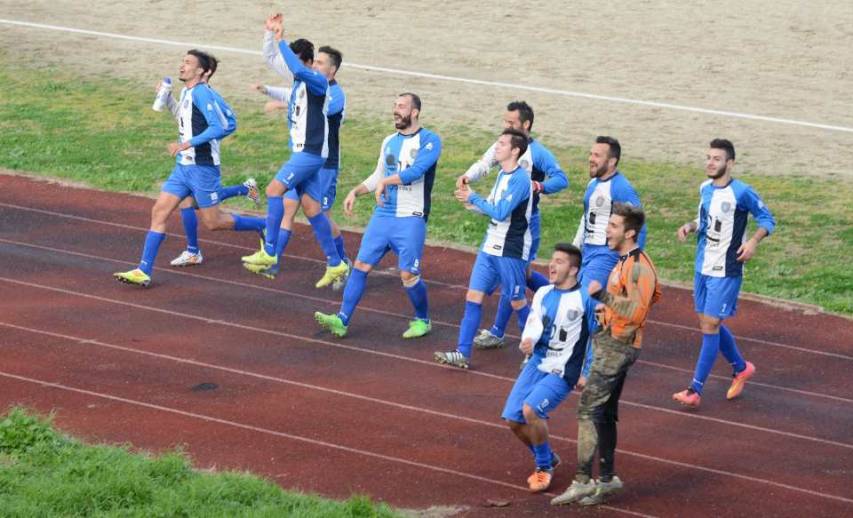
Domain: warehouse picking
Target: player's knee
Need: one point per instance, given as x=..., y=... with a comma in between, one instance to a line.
x=409, y=280
x=187, y=202
x=529, y=413
x=518, y=304
x=514, y=425
x=474, y=296
x=709, y=325
x=358, y=265
x=275, y=188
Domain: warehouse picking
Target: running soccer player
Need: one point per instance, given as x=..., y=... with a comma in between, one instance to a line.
x=562, y=316
x=402, y=185
x=506, y=247
x=309, y=131
x=725, y=204
x=631, y=290
x=548, y=178
x=202, y=124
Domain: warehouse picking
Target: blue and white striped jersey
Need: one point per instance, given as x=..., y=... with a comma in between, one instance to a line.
x=591, y=236
x=721, y=226
x=510, y=205
x=560, y=322
x=415, y=158
x=203, y=119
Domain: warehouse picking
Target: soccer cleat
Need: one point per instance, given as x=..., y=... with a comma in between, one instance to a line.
x=340, y=282
x=689, y=398
x=540, y=480
x=486, y=340
x=254, y=194
x=261, y=258
x=187, y=258
x=452, y=358
x=135, y=276
x=269, y=272
x=740, y=380
x=575, y=492
x=603, y=491
x=331, y=323
x=332, y=274
x=418, y=328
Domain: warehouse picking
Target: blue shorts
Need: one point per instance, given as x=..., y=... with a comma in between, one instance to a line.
x=596, y=267
x=322, y=188
x=489, y=269
x=535, y=232
x=541, y=391
x=300, y=168
x=404, y=236
x=716, y=296
x=200, y=181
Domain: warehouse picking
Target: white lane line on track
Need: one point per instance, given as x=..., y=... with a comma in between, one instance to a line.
x=390, y=313
x=442, y=77
x=429, y=282
x=432, y=364
x=298, y=438
x=97, y=343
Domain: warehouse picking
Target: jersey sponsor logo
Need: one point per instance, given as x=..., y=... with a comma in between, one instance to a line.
x=497, y=247
x=418, y=214
x=390, y=159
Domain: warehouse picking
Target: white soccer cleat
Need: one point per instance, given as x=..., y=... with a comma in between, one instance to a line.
x=254, y=193
x=187, y=259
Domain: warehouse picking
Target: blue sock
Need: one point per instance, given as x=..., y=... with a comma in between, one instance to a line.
x=232, y=190
x=728, y=347
x=190, y=222
x=242, y=223
x=281, y=244
x=543, y=455
x=352, y=294
x=468, y=327
x=149, y=251
x=418, y=295
x=522, y=317
x=501, y=317
x=339, y=245
x=707, y=357
x=323, y=233
x=536, y=280
x=275, y=213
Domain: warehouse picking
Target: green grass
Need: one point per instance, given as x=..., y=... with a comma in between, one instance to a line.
x=45, y=473
x=103, y=133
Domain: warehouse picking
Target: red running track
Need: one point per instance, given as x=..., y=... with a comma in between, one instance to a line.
x=372, y=413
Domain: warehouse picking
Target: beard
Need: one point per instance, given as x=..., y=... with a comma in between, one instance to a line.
x=720, y=172
x=597, y=173
x=404, y=122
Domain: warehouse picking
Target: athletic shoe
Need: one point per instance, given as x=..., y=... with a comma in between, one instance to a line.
x=136, y=277
x=254, y=194
x=331, y=323
x=261, y=258
x=418, y=328
x=540, y=480
x=603, y=491
x=187, y=258
x=575, y=492
x=269, y=272
x=689, y=398
x=332, y=274
x=486, y=340
x=740, y=380
x=452, y=358
x=340, y=282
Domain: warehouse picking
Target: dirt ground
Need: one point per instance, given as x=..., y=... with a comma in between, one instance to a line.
x=782, y=59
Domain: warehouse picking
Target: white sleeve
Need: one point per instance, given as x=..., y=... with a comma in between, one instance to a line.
x=278, y=93
x=273, y=57
x=578, y=240
x=533, y=328
x=173, y=106
x=481, y=167
x=371, y=181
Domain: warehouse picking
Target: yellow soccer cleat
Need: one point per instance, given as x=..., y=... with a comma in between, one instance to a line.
x=269, y=272
x=260, y=258
x=332, y=274
x=136, y=277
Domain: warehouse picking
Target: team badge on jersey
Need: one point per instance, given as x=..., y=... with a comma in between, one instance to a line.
x=599, y=201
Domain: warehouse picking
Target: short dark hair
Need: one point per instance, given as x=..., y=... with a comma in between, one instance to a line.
x=525, y=111
x=214, y=63
x=335, y=54
x=416, y=101
x=724, y=144
x=205, y=60
x=303, y=48
x=570, y=250
x=614, y=148
x=518, y=140
x=634, y=218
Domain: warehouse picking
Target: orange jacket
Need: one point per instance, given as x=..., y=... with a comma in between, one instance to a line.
x=631, y=290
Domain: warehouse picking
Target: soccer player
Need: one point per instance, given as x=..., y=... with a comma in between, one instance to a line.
x=309, y=133
x=631, y=289
x=548, y=178
x=506, y=247
x=327, y=62
x=402, y=185
x=562, y=316
x=606, y=186
x=202, y=124
x=724, y=207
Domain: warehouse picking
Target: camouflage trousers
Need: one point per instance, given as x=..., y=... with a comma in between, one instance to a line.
x=599, y=404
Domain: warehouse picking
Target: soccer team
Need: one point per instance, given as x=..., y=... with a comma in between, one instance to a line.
x=582, y=329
